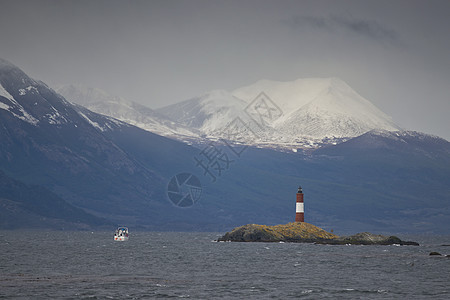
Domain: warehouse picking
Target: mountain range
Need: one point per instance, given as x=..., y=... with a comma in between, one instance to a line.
x=305, y=113
x=130, y=112
x=97, y=170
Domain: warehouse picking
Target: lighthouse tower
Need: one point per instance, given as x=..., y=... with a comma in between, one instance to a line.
x=299, y=212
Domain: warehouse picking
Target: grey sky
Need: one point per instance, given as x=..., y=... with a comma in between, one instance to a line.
x=394, y=53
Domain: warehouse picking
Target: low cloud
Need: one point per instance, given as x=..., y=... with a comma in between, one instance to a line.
x=367, y=28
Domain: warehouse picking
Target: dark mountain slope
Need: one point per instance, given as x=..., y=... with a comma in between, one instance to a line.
x=24, y=206
x=47, y=141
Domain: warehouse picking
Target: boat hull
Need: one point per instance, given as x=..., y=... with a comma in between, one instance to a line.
x=121, y=234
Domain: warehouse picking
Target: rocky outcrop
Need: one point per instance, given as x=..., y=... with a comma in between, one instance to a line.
x=434, y=253
x=367, y=238
x=305, y=233
x=291, y=232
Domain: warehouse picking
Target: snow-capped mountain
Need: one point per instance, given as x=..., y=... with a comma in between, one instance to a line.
x=304, y=113
x=210, y=113
x=25, y=98
x=130, y=112
x=34, y=103
x=319, y=108
x=43, y=127
x=91, y=161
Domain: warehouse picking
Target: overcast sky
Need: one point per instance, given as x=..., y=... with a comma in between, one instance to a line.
x=394, y=53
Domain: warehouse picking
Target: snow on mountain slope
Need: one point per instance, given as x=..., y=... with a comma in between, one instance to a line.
x=29, y=100
x=319, y=108
x=129, y=112
x=289, y=95
x=15, y=108
x=33, y=102
x=304, y=113
x=210, y=113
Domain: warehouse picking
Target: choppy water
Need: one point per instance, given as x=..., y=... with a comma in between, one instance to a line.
x=80, y=265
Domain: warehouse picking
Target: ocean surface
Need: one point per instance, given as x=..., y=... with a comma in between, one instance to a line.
x=90, y=265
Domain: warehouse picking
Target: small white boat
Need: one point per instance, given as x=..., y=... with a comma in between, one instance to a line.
x=121, y=234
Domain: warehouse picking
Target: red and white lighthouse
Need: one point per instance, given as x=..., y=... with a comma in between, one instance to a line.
x=299, y=209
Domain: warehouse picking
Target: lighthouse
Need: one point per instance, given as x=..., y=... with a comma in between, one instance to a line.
x=299, y=210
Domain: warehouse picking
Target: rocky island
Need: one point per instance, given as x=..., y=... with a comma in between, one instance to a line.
x=302, y=232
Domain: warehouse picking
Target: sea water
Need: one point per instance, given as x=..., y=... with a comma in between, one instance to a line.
x=90, y=265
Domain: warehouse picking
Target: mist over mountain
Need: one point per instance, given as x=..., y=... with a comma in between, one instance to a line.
x=305, y=113
x=319, y=108
x=93, y=169
x=210, y=113
x=130, y=112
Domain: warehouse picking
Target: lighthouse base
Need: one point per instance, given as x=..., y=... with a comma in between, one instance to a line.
x=299, y=217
